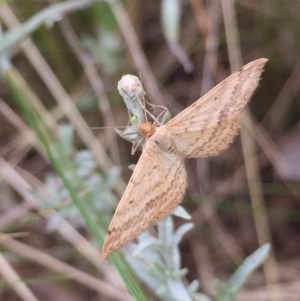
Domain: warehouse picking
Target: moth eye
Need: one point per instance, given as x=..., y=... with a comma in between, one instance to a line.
x=157, y=142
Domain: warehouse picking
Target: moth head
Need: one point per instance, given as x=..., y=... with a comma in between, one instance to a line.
x=162, y=139
x=147, y=129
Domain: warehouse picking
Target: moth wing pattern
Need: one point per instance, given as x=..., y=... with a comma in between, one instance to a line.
x=209, y=125
x=155, y=189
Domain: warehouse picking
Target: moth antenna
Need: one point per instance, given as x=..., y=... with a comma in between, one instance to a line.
x=126, y=134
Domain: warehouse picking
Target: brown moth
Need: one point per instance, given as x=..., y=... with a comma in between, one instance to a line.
x=159, y=182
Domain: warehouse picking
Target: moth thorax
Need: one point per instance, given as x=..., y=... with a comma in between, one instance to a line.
x=147, y=129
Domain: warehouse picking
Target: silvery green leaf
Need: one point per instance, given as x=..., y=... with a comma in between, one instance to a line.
x=176, y=273
x=162, y=289
x=131, y=133
x=178, y=290
x=84, y=156
x=94, y=179
x=109, y=52
x=145, y=243
x=162, y=262
x=170, y=18
x=53, y=222
x=156, y=282
x=144, y=235
x=106, y=50
x=84, y=170
x=240, y=276
x=165, y=230
x=113, y=175
x=51, y=183
x=165, y=293
x=150, y=253
x=181, y=212
x=132, y=166
x=64, y=193
x=251, y=263
x=176, y=258
x=181, y=232
x=193, y=287
x=200, y=297
x=167, y=116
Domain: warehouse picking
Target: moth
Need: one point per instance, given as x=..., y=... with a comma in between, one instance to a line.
x=159, y=180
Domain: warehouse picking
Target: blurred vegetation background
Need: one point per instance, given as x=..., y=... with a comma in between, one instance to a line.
x=61, y=62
